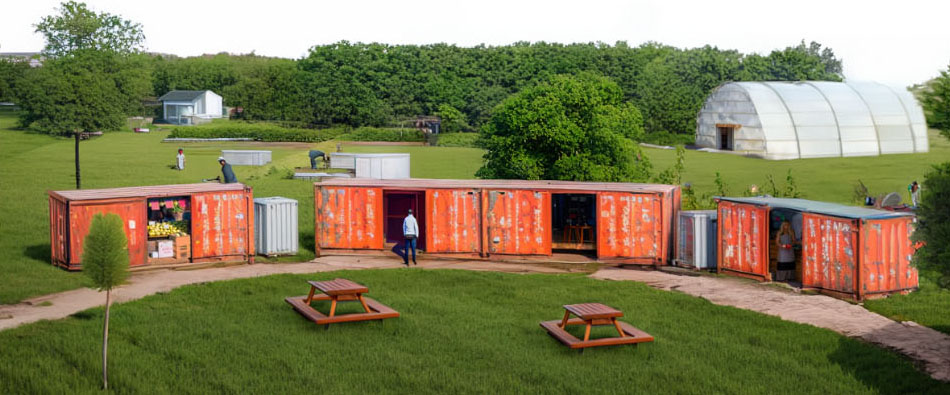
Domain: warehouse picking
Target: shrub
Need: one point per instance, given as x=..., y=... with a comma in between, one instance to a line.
x=458, y=140
x=257, y=131
x=933, y=224
x=383, y=134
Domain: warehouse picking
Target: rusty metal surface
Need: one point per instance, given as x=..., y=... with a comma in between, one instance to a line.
x=146, y=191
x=629, y=226
x=57, y=231
x=349, y=218
x=544, y=185
x=829, y=252
x=886, y=251
x=743, y=239
x=453, y=221
x=519, y=222
x=220, y=224
x=133, y=217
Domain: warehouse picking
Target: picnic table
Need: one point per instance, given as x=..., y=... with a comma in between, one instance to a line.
x=594, y=314
x=339, y=290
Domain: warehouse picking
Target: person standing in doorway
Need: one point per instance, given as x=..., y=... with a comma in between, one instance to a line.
x=914, y=189
x=181, y=159
x=226, y=171
x=410, y=230
x=785, y=240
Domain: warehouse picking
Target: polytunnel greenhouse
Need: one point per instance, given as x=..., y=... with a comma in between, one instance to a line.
x=811, y=119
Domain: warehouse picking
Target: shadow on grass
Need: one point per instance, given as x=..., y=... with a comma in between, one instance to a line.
x=307, y=241
x=40, y=252
x=866, y=364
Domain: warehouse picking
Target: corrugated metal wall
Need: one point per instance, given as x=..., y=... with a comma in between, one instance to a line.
x=133, y=217
x=743, y=239
x=453, y=221
x=349, y=218
x=886, y=251
x=519, y=222
x=275, y=225
x=829, y=249
x=629, y=226
x=57, y=231
x=219, y=224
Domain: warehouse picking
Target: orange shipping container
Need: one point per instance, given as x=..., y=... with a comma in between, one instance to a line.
x=850, y=252
x=454, y=221
x=220, y=216
x=630, y=226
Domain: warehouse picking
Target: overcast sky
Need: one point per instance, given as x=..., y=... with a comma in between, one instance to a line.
x=895, y=42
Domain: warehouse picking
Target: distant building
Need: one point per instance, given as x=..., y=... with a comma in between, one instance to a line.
x=35, y=59
x=190, y=107
x=811, y=119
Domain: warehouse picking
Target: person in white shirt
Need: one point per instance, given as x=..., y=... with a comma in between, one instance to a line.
x=410, y=230
x=181, y=159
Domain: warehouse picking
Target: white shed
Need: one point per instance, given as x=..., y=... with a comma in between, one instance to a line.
x=811, y=119
x=190, y=107
x=379, y=166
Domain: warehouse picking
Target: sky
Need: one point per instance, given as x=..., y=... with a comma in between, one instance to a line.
x=894, y=42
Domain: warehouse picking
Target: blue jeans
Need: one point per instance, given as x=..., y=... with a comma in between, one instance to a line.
x=410, y=243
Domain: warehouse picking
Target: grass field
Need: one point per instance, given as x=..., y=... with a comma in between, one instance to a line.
x=460, y=332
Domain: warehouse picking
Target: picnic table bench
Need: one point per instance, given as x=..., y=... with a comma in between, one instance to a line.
x=339, y=290
x=594, y=314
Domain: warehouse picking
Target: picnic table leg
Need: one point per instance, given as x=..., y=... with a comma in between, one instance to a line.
x=310, y=296
x=587, y=331
x=332, y=306
x=363, y=302
x=617, y=324
x=567, y=315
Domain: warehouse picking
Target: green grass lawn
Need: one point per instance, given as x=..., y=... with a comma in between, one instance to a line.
x=460, y=332
x=929, y=306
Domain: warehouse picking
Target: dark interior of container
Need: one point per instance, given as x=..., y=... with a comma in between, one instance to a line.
x=396, y=206
x=169, y=230
x=793, y=275
x=574, y=221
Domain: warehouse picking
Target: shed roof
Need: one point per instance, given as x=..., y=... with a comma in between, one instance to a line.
x=424, y=183
x=145, y=191
x=811, y=206
x=181, y=95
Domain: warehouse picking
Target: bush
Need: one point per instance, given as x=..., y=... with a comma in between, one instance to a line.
x=458, y=140
x=933, y=224
x=383, y=134
x=666, y=138
x=257, y=131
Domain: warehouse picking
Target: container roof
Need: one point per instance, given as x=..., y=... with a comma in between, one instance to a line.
x=181, y=95
x=145, y=191
x=424, y=183
x=811, y=206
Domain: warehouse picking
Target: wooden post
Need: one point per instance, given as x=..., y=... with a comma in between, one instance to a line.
x=77, y=135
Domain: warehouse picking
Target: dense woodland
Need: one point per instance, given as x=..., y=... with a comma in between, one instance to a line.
x=357, y=84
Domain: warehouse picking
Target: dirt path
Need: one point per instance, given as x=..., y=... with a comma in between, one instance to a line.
x=64, y=304
x=926, y=346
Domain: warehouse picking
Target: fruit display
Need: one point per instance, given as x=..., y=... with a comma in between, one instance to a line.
x=170, y=228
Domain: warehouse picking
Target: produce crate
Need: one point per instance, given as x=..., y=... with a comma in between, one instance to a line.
x=182, y=247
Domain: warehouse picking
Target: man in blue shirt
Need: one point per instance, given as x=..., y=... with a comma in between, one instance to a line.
x=226, y=171
x=410, y=229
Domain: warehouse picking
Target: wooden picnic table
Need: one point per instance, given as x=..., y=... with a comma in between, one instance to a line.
x=340, y=290
x=593, y=314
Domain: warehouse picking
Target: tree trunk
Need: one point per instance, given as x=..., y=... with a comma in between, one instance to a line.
x=105, y=344
x=77, y=172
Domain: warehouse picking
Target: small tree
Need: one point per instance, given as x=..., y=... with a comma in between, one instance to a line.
x=933, y=224
x=105, y=259
x=935, y=98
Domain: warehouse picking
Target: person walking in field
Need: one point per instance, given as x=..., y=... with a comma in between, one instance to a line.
x=914, y=189
x=784, y=240
x=410, y=230
x=226, y=171
x=181, y=159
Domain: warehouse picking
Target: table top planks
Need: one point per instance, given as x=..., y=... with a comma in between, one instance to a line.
x=592, y=311
x=340, y=286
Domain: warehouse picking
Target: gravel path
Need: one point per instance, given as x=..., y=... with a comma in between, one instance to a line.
x=928, y=347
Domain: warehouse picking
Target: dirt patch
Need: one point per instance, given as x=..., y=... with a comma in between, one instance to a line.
x=926, y=346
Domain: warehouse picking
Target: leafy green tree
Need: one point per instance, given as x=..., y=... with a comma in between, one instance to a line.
x=568, y=128
x=11, y=74
x=453, y=120
x=78, y=28
x=105, y=259
x=935, y=98
x=933, y=224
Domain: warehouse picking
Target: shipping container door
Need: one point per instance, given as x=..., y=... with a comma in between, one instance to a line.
x=133, y=218
x=454, y=219
x=519, y=222
x=629, y=226
x=886, y=256
x=744, y=239
x=57, y=231
x=829, y=252
x=349, y=217
x=219, y=224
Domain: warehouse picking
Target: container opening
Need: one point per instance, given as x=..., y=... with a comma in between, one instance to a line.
x=396, y=206
x=169, y=230
x=785, y=246
x=573, y=222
